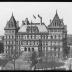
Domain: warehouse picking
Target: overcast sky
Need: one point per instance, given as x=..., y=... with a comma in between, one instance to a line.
x=47, y=10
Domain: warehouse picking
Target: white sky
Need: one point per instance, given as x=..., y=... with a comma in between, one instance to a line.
x=47, y=10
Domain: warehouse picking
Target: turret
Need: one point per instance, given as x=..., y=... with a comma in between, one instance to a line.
x=12, y=24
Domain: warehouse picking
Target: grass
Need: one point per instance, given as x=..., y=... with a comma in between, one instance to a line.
x=50, y=64
x=3, y=62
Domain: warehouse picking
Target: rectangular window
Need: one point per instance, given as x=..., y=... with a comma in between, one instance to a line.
x=36, y=36
x=43, y=42
x=16, y=42
x=4, y=37
x=16, y=37
x=28, y=49
x=39, y=36
x=25, y=49
x=23, y=36
x=20, y=36
x=49, y=37
x=52, y=49
x=49, y=48
x=25, y=42
x=7, y=37
x=12, y=37
x=6, y=42
x=45, y=36
x=36, y=43
x=52, y=43
x=57, y=37
x=61, y=43
x=56, y=43
x=49, y=43
x=29, y=36
x=32, y=49
x=32, y=36
x=60, y=49
x=20, y=42
x=56, y=49
x=28, y=42
x=32, y=43
x=10, y=42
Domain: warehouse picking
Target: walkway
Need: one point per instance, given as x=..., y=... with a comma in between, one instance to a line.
x=21, y=63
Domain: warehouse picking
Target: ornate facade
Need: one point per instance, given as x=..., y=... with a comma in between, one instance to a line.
x=26, y=38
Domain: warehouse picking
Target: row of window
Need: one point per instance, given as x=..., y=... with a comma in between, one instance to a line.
x=36, y=43
x=10, y=31
x=9, y=42
x=27, y=49
x=53, y=49
x=34, y=37
x=49, y=43
x=39, y=37
x=55, y=30
x=9, y=37
x=29, y=43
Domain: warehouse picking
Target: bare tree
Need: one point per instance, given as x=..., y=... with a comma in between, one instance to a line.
x=33, y=58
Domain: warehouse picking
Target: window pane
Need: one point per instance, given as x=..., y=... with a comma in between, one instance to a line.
x=25, y=49
x=28, y=49
x=32, y=49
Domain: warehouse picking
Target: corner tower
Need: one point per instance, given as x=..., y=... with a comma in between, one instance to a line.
x=11, y=29
x=58, y=36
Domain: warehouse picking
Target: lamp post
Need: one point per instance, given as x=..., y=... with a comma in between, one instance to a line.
x=14, y=52
x=14, y=63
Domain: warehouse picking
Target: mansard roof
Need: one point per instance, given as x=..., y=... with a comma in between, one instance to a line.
x=40, y=27
x=56, y=22
x=11, y=24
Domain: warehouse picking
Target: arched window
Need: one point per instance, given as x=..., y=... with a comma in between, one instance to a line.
x=51, y=37
x=25, y=49
x=28, y=49
x=12, y=37
x=55, y=23
x=32, y=49
x=55, y=36
x=9, y=37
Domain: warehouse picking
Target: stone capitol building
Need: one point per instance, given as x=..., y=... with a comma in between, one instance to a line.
x=27, y=37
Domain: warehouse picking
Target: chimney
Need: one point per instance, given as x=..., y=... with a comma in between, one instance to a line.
x=26, y=21
x=17, y=24
x=23, y=22
x=41, y=21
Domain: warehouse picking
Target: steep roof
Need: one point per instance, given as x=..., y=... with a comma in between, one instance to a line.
x=41, y=28
x=56, y=22
x=11, y=24
x=56, y=17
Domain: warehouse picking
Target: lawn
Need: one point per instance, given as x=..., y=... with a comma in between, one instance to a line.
x=50, y=64
x=3, y=62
